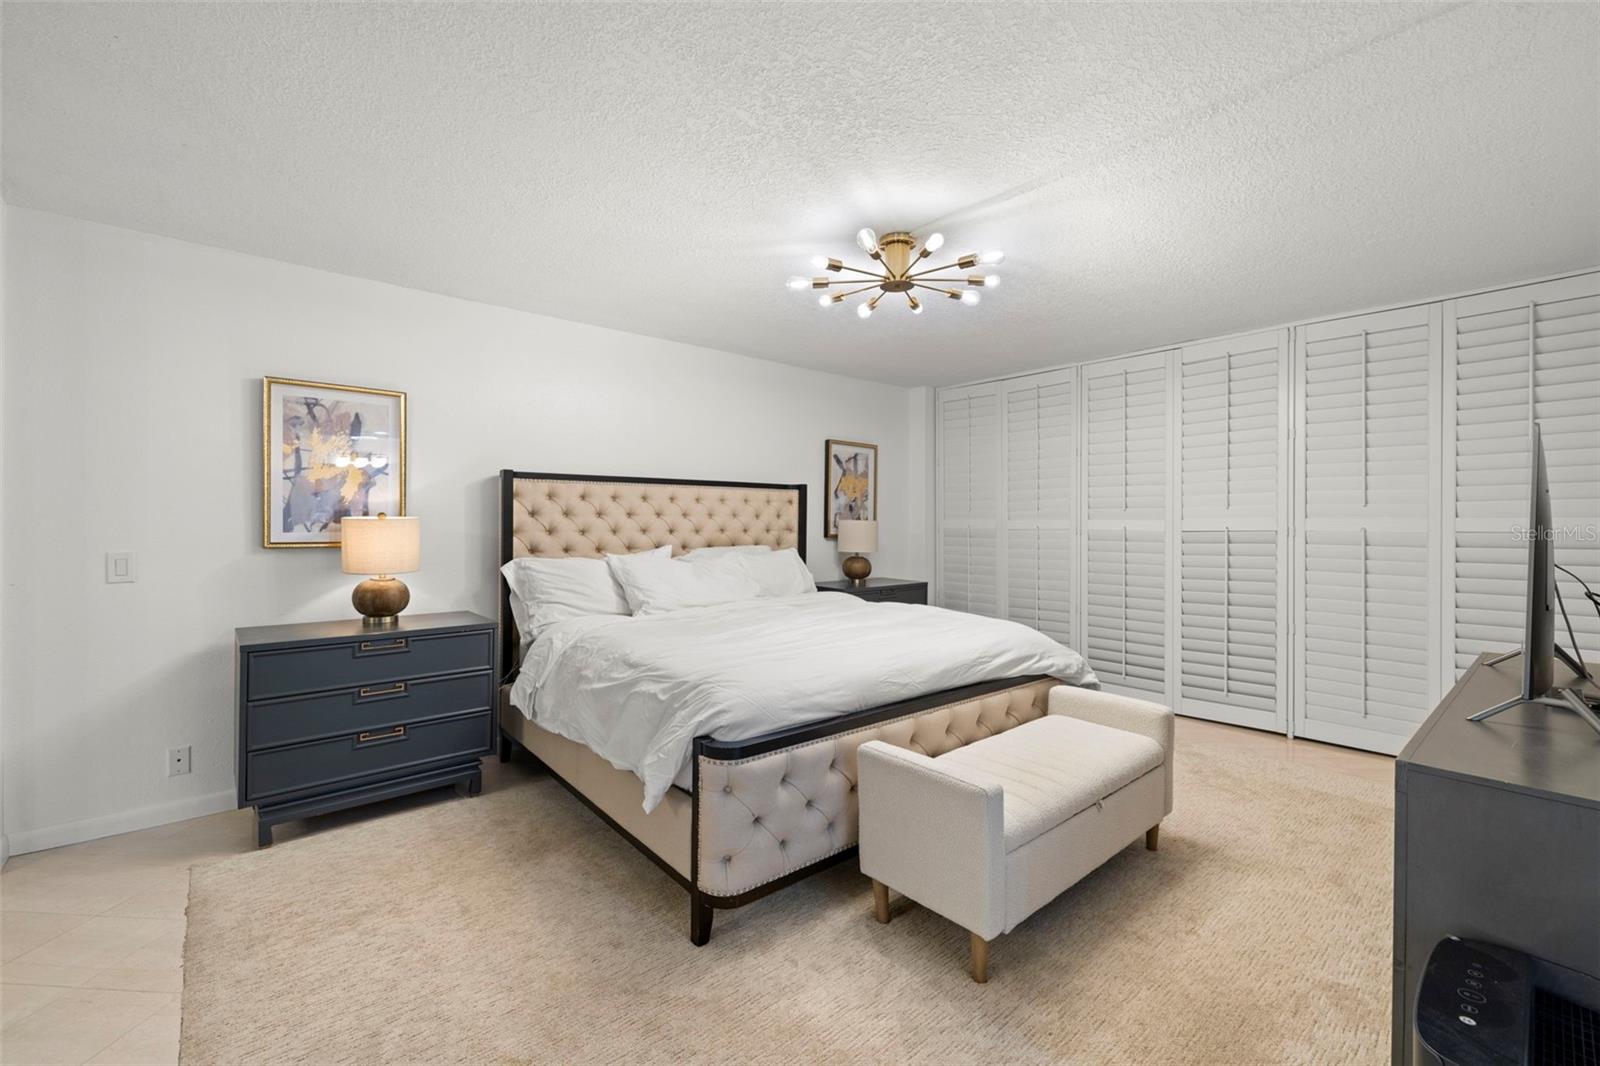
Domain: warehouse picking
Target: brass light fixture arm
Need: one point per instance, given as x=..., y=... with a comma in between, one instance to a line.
x=934, y=270
x=853, y=292
x=868, y=273
x=935, y=288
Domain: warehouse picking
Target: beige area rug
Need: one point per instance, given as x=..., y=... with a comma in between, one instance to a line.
x=518, y=928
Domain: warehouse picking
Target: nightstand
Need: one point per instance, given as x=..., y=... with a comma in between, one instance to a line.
x=337, y=714
x=881, y=589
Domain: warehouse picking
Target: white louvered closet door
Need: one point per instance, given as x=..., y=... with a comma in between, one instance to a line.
x=969, y=499
x=1231, y=549
x=1512, y=357
x=1040, y=490
x=1366, y=655
x=1126, y=629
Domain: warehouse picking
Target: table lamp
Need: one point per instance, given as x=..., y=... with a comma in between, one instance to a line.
x=380, y=546
x=856, y=537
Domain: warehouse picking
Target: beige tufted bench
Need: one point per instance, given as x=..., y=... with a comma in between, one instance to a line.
x=987, y=833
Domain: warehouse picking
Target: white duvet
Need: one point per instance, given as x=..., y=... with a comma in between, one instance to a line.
x=638, y=690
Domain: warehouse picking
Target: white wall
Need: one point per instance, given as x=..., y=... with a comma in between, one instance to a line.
x=132, y=423
x=920, y=479
x=5, y=841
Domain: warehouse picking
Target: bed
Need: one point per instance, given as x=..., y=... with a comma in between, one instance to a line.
x=748, y=816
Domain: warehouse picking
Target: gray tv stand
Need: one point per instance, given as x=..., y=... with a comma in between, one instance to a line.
x=1568, y=699
x=1497, y=835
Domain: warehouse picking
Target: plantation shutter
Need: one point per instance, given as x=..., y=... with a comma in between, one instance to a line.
x=1512, y=357
x=1125, y=462
x=969, y=501
x=1232, y=651
x=1040, y=487
x=1365, y=650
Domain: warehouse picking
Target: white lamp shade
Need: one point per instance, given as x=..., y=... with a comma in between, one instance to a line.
x=380, y=545
x=857, y=536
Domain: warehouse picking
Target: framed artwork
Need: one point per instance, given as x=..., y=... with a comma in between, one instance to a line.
x=852, y=483
x=328, y=451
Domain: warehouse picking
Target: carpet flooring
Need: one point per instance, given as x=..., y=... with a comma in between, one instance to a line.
x=517, y=928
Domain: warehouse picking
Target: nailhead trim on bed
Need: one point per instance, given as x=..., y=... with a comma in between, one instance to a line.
x=554, y=519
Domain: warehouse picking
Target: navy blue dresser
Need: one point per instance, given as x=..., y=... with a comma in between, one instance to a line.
x=337, y=714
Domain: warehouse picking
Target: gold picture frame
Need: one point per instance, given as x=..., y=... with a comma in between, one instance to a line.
x=849, y=483
x=328, y=450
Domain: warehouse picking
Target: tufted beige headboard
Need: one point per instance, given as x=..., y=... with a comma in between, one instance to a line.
x=563, y=515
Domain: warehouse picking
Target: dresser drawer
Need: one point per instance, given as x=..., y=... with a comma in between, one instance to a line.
x=344, y=759
x=371, y=661
x=372, y=707
x=905, y=594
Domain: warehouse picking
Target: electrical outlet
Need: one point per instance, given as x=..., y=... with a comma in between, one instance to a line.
x=177, y=761
x=120, y=568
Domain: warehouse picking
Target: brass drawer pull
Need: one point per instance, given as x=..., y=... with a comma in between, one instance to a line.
x=397, y=731
x=398, y=644
x=394, y=689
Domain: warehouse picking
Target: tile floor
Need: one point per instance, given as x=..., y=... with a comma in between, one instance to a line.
x=91, y=936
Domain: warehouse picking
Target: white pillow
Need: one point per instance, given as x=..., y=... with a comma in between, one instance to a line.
x=722, y=551
x=780, y=573
x=655, y=584
x=545, y=591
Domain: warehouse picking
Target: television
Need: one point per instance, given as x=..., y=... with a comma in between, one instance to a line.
x=1539, y=649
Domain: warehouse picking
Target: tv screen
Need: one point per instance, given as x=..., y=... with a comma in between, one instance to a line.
x=1539, y=627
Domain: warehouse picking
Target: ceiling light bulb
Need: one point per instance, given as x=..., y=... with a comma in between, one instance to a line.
x=797, y=282
x=991, y=257
x=825, y=300
x=969, y=297
x=819, y=262
x=991, y=280
x=916, y=304
x=867, y=241
x=934, y=242
x=863, y=310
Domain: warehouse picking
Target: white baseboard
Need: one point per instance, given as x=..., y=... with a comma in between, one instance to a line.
x=56, y=836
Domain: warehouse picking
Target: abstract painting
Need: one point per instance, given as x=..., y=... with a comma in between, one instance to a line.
x=852, y=481
x=328, y=451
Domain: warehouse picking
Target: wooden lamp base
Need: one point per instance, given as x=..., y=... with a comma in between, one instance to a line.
x=381, y=599
x=856, y=568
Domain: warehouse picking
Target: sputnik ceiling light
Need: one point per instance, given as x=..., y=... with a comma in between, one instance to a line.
x=896, y=255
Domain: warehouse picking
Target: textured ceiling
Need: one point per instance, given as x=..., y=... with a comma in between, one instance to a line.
x=1154, y=172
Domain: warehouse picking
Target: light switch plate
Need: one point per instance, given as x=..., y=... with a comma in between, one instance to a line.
x=119, y=568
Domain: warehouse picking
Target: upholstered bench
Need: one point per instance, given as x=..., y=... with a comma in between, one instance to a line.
x=990, y=832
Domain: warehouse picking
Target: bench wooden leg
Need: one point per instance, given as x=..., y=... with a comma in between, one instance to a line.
x=1151, y=835
x=980, y=959
x=880, y=901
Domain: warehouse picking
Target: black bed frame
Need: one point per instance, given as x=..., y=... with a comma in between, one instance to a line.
x=701, y=904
